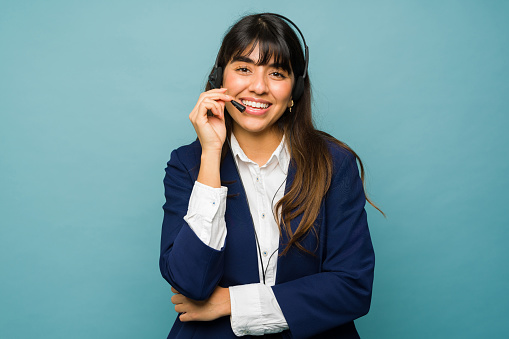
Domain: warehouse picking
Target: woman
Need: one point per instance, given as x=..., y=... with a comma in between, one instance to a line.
x=264, y=229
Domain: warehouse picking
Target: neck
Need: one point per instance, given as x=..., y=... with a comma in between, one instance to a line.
x=258, y=146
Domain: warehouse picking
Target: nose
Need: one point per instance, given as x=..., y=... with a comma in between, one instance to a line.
x=258, y=83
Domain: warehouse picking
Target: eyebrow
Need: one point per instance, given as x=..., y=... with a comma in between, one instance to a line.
x=242, y=58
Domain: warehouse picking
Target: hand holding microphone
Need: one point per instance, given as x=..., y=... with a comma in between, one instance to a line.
x=211, y=130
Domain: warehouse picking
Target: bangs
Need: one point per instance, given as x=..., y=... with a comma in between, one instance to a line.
x=267, y=50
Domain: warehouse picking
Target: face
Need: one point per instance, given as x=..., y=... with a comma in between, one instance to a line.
x=265, y=90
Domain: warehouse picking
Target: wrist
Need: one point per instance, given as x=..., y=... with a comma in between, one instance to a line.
x=227, y=306
x=209, y=173
x=211, y=154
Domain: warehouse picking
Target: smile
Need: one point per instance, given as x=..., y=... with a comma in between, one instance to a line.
x=253, y=104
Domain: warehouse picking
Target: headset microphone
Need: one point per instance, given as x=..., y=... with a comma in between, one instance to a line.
x=238, y=106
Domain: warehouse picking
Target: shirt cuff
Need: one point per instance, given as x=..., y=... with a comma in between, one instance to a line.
x=205, y=214
x=255, y=310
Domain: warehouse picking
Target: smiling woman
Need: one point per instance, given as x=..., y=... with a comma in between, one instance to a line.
x=264, y=230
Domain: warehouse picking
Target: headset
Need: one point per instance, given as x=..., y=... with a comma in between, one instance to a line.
x=216, y=77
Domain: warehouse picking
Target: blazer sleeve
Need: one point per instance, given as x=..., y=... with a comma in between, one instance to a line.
x=189, y=265
x=341, y=292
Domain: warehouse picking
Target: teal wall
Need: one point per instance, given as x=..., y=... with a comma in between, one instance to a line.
x=95, y=94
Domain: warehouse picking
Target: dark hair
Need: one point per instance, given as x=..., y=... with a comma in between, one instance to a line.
x=309, y=151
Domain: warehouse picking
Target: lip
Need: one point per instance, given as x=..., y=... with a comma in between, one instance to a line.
x=255, y=111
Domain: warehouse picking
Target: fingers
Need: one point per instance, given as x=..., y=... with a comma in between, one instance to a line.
x=212, y=100
x=214, y=103
x=185, y=317
x=214, y=106
x=221, y=95
x=175, y=299
x=215, y=94
x=218, y=90
x=182, y=306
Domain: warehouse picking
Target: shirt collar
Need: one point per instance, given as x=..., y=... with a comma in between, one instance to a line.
x=280, y=154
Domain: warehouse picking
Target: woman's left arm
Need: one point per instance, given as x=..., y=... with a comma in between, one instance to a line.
x=341, y=292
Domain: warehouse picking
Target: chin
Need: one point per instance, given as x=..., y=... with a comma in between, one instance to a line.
x=253, y=128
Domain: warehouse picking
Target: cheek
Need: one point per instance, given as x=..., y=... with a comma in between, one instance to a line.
x=283, y=90
x=233, y=83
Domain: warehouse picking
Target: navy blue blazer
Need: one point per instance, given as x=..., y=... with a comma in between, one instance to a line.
x=319, y=295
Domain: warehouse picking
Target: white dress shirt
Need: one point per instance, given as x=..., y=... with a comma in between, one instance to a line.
x=255, y=310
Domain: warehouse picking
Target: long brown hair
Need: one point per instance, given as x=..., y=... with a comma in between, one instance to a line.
x=309, y=151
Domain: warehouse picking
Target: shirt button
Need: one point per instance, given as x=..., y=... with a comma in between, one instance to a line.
x=264, y=253
x=257, y=179
x=263, y=215
x=213, y=203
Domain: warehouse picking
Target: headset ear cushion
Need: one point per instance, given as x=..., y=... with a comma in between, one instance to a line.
x=298, y=89
x=219, y=77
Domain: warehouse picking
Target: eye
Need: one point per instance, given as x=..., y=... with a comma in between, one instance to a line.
x=278, y=75
x=242, y=69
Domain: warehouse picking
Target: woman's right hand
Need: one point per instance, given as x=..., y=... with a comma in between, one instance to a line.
x=211, y=130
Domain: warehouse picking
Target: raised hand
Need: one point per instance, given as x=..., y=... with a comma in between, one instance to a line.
x=210, y=129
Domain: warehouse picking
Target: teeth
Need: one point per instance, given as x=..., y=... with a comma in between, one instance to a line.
x=255, y=104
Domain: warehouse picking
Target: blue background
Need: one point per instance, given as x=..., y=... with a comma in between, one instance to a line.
x=95, y=94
